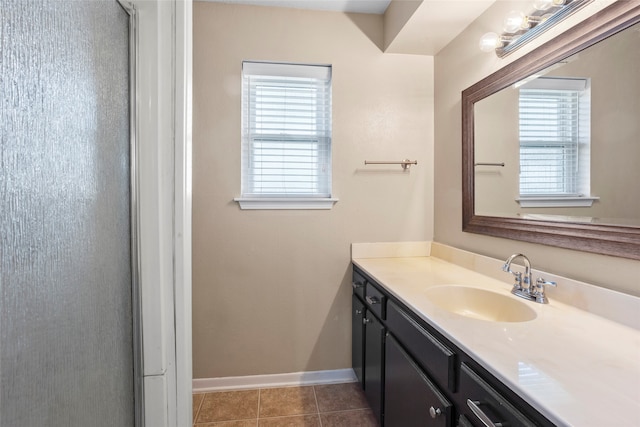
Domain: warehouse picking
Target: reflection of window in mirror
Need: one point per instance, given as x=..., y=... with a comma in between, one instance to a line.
x=554, y=127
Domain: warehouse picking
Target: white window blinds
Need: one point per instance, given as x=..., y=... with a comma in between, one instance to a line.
x=286, y=130
x=552, y=115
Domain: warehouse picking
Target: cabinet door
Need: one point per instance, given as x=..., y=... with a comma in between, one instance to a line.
x=373, y=363
x=357, y=338
x=411, y=399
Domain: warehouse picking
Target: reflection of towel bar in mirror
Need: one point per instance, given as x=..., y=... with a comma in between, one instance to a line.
x=406, y=163
x=490, y=164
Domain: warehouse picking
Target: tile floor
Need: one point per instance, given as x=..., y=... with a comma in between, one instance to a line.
x=327, y=405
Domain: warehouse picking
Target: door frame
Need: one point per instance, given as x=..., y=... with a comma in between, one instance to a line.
x=161, y=52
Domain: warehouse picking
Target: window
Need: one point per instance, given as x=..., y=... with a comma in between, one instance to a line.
x=555, y=139
x=286, y=136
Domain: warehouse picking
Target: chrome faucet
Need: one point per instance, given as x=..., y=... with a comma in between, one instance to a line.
x=523, y=285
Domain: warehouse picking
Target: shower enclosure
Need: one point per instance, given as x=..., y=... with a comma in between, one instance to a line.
x=67, y=254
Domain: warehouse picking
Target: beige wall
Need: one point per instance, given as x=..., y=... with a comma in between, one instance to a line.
x=457, y=67
x=496, y=136
x=615, y=108
x=271, y=289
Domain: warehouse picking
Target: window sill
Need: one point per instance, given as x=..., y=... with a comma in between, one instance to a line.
x=247, y=203
x=556, y=202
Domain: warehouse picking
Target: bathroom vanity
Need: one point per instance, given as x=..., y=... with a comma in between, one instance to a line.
x=438, y=340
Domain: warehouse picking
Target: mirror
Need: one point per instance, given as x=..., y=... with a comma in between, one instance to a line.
x=551, y=142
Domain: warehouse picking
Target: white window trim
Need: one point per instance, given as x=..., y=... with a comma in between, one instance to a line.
x=248, y=203
x=256, y=202
x=560, y=200
x=556, y=202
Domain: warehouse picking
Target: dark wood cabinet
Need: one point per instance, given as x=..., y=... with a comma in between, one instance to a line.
x=436, y=358
x=375, y=300
x=464, y=422
x=413, y=376
x=359, y=282
x=374, y=333
x=411, y=398
x=357, y=338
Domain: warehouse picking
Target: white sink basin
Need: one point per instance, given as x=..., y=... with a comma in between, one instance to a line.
x=480, y=304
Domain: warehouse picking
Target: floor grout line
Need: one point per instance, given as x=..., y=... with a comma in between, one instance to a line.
x=315, y=396
x=199, y=407
x=345, y=410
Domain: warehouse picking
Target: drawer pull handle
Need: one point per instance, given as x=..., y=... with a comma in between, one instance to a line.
x=358, y=312
x=365, y=320
x=373, y=300
x=435, y=412
x=475, y=408
x=357, y=285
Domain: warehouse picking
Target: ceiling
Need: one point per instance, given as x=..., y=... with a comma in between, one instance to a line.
x=419, y=26
x=433, y=24
x=355, y=6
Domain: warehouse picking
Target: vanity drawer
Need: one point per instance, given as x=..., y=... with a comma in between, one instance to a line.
x=436, y=358
x=482, y=400
x=411, y=398
x=376, y=300
x=358, y=282
x=464, y=422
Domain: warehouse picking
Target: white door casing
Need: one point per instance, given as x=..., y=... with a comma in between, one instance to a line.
x=162, y=110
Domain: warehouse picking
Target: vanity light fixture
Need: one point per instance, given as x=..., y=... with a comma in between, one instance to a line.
x=546, y=4
x=519, y=28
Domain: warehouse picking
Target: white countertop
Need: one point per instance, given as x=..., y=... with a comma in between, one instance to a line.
x=575, y=367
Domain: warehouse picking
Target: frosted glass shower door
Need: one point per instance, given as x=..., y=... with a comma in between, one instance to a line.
x=66, y=340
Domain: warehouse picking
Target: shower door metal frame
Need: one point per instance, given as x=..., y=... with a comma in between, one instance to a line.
x=138, y=368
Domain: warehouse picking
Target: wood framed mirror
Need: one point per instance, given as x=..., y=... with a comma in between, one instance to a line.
x=602, y=236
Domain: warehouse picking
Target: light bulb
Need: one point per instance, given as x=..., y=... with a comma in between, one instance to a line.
x=514, y=21
x=489, y=42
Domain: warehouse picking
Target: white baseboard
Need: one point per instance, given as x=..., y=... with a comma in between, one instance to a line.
x=201, y=385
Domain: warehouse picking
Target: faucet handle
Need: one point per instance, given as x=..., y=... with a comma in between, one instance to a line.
x=539, y=293
x=541, y=283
